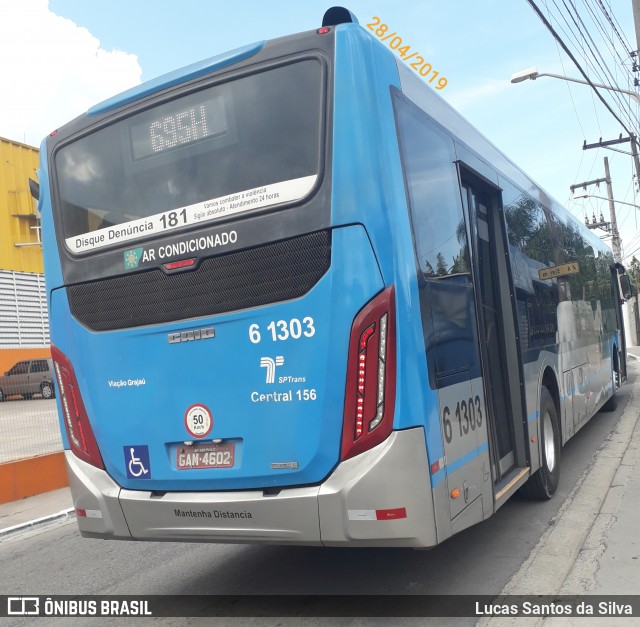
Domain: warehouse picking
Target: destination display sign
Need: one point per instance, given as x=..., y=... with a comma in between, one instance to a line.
x=176, y=124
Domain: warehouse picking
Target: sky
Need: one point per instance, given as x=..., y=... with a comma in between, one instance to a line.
x=60, y=57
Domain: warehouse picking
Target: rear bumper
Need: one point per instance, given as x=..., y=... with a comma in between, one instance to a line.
x=379, y=498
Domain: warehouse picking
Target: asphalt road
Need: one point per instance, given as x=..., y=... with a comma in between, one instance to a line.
x=480, y=560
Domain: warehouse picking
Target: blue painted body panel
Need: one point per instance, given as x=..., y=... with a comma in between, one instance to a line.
x=225, y=375
x=368, y=187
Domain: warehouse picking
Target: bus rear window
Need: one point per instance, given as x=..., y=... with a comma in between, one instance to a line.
x=246, y=144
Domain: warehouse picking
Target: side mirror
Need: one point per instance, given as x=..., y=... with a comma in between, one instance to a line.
x=625, y=286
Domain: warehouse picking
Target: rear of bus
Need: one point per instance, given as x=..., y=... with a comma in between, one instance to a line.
x=228, y=260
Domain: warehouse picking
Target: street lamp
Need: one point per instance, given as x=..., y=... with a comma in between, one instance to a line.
x=620, y=202
x=532, y=73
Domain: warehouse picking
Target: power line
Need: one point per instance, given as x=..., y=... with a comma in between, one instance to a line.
x=601, y=67
x=627, y=45
x=579, y=41
x=633, y=252
x=620, y=69
x=573, y=103
x=593, y=58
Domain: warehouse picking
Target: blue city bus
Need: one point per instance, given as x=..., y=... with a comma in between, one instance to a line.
x=296, y=298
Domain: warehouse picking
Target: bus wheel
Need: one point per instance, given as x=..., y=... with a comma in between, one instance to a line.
x=543, y=483
x=612, y=403
x=1, y=396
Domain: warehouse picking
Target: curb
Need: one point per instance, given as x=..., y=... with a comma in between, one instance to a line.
x=38, y=523
x=562, y=556
x=31, y=476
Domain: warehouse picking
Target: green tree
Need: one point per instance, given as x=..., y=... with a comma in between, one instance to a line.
x=441, y=265
x=522, y=223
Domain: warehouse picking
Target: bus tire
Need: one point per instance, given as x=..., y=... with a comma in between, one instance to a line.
x=1, y=396
x=544, y=482
x=612, y=403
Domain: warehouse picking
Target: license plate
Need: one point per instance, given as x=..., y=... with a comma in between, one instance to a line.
x=205, y=456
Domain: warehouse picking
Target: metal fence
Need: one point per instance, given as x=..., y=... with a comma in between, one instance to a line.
x=28, y=428
x=28, y=415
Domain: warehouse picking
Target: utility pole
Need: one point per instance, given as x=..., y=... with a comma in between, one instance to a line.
x=634, y=150
x=615, y=236
x=632, y=139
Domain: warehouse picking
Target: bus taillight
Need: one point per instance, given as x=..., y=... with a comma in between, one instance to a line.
x=83, y=442
x=370, y=397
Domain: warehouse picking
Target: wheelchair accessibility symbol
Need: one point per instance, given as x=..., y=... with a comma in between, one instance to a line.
x=136, y=458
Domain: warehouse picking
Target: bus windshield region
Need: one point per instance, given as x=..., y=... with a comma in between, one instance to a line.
x=245, y=144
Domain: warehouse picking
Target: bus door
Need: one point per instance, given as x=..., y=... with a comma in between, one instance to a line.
x=500, y=362
x=455, y=372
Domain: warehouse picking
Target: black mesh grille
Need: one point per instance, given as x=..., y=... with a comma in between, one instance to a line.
x=249, y=278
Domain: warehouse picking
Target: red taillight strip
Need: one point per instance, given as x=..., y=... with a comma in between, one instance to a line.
x=362, y=377
x=370, y=392
x=366, y=335
x=81, y=438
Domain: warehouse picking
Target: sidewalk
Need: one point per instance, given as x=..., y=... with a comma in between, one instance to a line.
x=34, y=512
x=593, y=546
x=613, y=544
x=609, y=560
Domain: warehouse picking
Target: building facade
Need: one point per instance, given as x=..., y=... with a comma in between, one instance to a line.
x=24, y=325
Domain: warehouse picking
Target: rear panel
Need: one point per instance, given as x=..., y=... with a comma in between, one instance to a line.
x=272, y=380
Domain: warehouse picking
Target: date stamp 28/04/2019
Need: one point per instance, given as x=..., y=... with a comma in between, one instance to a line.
x=415, y=60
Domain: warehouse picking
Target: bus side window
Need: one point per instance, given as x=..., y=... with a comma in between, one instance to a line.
x=531, y=247
x=441, y=247
x=434, y=194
